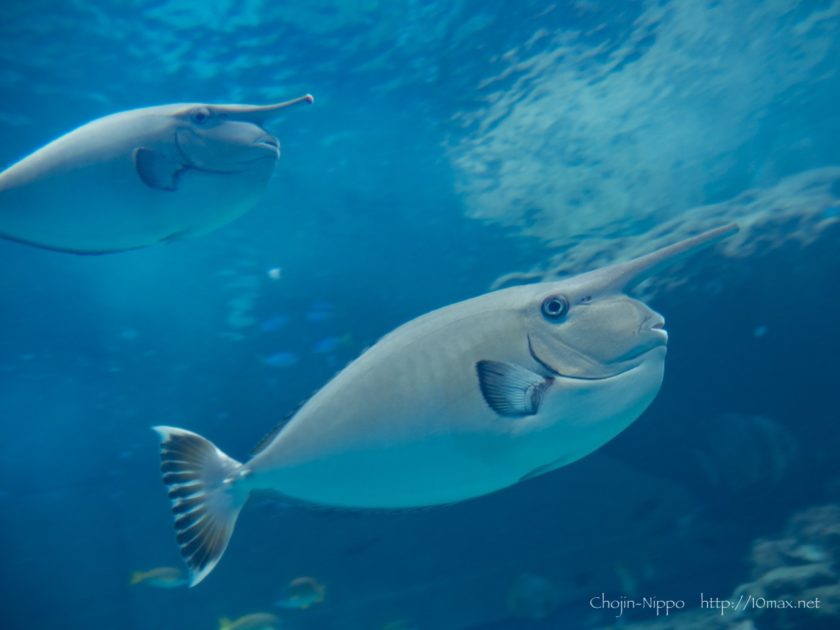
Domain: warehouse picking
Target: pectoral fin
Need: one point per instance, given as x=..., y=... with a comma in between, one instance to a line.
x=157, y=170
x=511, y=390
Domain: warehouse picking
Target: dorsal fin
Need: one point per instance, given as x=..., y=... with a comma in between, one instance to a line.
x=269, y=437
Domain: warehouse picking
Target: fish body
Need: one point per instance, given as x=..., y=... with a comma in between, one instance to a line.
x=281, y=359
x=139, y=178
x=162, y=577
x=254, y=621
x=329, y=345
x=406, y=425
x=320, y=312
x=458, y=403
x=273, y=324
x=303, y=593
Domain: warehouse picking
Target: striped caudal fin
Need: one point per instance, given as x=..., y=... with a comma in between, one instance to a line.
x=205, y=497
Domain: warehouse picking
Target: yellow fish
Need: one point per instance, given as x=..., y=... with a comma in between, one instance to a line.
x=303, y=592
x=162, y=577
x=254, y=621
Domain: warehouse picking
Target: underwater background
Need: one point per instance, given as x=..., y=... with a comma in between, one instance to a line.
x=453, y=147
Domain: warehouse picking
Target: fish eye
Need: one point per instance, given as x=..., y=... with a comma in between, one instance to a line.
x=200, y=115
x=555, y=307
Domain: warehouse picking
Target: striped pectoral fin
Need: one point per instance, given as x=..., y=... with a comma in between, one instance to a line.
x=205, y=502
x=510, y=389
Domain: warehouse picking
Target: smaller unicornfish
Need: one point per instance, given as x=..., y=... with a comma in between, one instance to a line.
x=254, y=621
x=141, y=177
x=162, y=577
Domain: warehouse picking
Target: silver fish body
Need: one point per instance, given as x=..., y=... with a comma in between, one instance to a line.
x=406, y=424
x=458, y=403
x=140, y=177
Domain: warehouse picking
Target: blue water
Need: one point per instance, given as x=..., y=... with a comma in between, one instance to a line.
x=453, y=147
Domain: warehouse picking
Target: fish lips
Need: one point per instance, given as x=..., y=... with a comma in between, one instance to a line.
x=651, y=335
x=264, y=148
x=270, y=144
x=593, y=370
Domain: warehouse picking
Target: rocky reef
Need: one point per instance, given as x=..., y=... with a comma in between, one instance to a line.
x=796, y=577
x=794, y=582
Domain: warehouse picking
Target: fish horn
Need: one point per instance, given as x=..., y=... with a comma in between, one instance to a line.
x=622, y=276
x=261, y=113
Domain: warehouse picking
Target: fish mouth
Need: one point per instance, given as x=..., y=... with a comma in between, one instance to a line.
x=657, y=329
x=553, y=371
x=270, y=143
x=620, y=368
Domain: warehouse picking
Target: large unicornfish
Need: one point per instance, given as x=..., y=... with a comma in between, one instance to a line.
x=458, y=403
x=141, y=177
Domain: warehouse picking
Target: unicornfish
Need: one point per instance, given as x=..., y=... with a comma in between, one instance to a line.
x=141, y=177
x=458, y=403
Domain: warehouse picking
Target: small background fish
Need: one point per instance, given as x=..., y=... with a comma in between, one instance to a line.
x=254, y=621
x=163, y=577
x=302, y=593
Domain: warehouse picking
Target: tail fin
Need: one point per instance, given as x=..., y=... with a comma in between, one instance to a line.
x=205, y=500
x=137, y=577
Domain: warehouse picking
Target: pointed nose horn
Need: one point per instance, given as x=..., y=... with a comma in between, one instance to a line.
x=622, y=276
x=261, y=113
